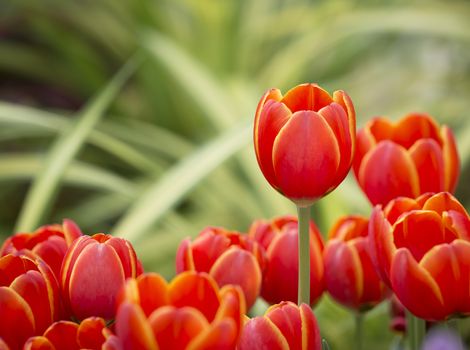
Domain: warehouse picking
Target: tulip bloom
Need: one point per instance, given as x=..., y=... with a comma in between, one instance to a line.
x=228, y=256
x=279, y=237
x=421, y=249
x=94, y=270
x=29, y=299
x=285, y=326
x=304, y=140
x=190, y=312
x=349, y=273
x=49, y=242
x=407, y=158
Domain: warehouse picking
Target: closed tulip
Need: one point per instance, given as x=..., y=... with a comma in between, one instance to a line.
x=304, y=140
x=190, y=312
x=228, y=256
x=349, y=273
x=285, y=326
x=421, y=249
x=29, y=299
x=279, y=237
x=49, y=242
x=94, y=270
x=407, y=158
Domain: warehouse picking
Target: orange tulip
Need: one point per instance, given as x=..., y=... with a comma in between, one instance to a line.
x=304, y=140
x=49, y=242
x=190, y=312
x=407, y=158
x=349, y=273
x=94, y=270
x=279, y=237
x=228, y=256
x=29, y=299
x=285, y=326
x=421, y=249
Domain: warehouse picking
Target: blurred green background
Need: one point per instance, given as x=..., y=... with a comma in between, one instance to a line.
x=135, y=116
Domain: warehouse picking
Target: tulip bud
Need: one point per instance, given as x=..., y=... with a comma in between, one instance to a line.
x=407, y=158
x=279, y=237
x=94, y=270
x=304, y=141
x=421, y=249
x=284, y=326
x=228, y=256
x=349, y=273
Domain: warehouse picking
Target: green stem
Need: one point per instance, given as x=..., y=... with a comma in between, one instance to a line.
x=304, y=255
x=359, y=318
x=416, y=329
x=453, y=325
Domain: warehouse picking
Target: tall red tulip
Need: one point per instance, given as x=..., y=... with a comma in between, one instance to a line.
x=407, y=158
x=190, y=312
x=49, y=242
x=349, y=273
x=305, y=140
x=29, y=299
x=94, y=270
x=279, y=237
x=285, y=326
x=421, y=249
x=228, y=256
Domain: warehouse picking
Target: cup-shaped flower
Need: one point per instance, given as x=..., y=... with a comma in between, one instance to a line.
x=29, y=298
x=228, y=256
x=93, y=271
x=280, y=239
x=49, y=242
x=350, y=276
x=421, y=249
x=284, y=326
x=407, y=158
x=190, y=312
x=304, y=141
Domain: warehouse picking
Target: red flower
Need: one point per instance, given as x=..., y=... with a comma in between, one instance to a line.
x=228, y=256
x=279, y=237
x=304, y=140
x=285, y=326
x=94, y=270
x=190, y=312
x=49, y=242
x=29, y=299
x=421, y=249
x=349, y=273
x=407, y=158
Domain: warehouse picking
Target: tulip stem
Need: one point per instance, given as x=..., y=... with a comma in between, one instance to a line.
x=359, y=318
x=453, y=326
x=304, y=255
x=416, y=329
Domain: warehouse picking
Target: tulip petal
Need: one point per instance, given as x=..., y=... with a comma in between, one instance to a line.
x=38, y=343
x=133, y=329
x=220, y=335
x=415, y=287
x=127, y=255
x=427, y=156
x=286, y=317
x=398, y=206
x=232, y=305
x=461, y=249
x=114, y=343
x=311, y=339
x=442, y=202
x=3, y=345
x=233, y=267
x=413, y=127
x=457, y=223
x=63, y=335
x=12, y=266
x=90, y=333
x=262, y=333
x=451, y=159
x=153, y=292
x=387, y=172
x=306, y=97
x=306, y=157
x=71, y=231
x=207, y=248
x=198, y=290
x=184, y=256
x=52, y=252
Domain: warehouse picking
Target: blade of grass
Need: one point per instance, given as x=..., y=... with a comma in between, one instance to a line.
x=64, y=149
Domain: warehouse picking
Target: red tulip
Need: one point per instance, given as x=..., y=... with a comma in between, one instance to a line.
x=279, y=237
x=191, y=312
x=29, y=299
x=49, y=242
x=228, y=256
x=349, y=273
x=421, y=249
x=285, y=326
x=407, y=158
x=304, y=140
x=94, y=270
